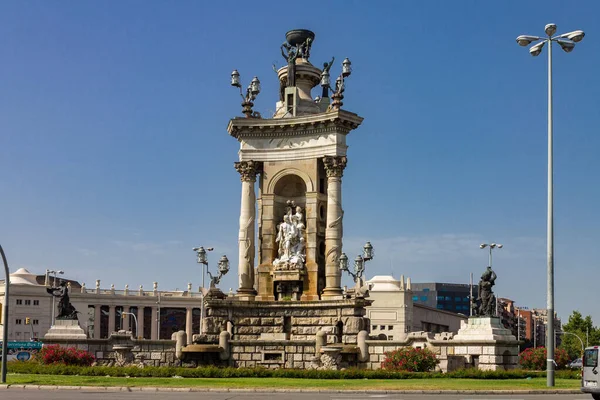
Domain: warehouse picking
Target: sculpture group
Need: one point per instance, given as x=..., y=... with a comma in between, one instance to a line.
x=291, y=253
x=65, y=308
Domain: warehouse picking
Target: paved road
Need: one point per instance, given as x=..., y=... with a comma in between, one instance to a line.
x=91, y=394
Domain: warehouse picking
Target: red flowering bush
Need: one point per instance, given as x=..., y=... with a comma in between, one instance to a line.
x=535, y=358
x=55, y=354
x=410, y=359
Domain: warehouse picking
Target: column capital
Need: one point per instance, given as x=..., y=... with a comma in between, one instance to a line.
x=334, y=166
x=248, y=170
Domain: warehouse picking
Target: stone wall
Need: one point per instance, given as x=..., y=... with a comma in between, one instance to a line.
x=132, y=351
x=293, y=320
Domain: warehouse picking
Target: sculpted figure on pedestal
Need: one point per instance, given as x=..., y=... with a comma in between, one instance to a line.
x=290, y=237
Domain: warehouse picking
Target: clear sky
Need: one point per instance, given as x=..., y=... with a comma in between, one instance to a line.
x=115, y=159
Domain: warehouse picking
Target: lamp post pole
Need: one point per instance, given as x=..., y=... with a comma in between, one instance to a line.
x=134, y=319
x=5, y=315
x=567, y=42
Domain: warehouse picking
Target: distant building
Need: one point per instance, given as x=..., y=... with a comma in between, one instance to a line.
x=452, y=297
x=393, y=312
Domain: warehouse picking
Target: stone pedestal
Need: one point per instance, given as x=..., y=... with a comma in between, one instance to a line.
x=67, y=329
x=486, y=344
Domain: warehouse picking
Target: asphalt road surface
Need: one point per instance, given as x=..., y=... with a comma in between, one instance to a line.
x=89, y=394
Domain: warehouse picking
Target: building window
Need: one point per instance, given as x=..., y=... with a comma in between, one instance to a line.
x=426, y=290
x=415, y=298
x=27, y=302
x=390, y=327
x=390, y=337
x=18, y=334
x=36, y=321
x=382, y=327
x=440, y=306
x=18, y=321
x=466, y=299
x=423, y=298
x=440, y=298
x=457, y=299
x=19, y=302
x=36, y=302
x=447, y=298
x=374, y=328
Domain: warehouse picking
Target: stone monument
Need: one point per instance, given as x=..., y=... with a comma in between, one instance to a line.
x=483, y=337
x=66, y=325
x=291, y=215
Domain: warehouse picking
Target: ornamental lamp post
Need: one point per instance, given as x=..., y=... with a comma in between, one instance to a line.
x=5, y=315
x=491, y=246
x=251, y=92
x=567, y=42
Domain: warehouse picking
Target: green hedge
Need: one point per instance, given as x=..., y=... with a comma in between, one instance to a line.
x=215, y=372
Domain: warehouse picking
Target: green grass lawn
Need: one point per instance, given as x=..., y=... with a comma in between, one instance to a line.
x=280, y=383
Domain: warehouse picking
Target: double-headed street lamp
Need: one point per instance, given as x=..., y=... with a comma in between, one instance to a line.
x=251, y=92
x=567, y=42
x=48, y=273
x=359, y=263
x=214, y=280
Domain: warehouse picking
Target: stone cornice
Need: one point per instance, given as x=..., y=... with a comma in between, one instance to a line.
x=333, y=121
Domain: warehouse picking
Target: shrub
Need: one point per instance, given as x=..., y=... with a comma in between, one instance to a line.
x=410, y=359
x=535, y=358
x=55, y=354
x=18, y=367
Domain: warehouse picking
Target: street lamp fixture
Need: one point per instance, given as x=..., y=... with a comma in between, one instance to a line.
x=567, y=42
x=491, y=246
x=359, y=263
x=5, y=316
x=251, y=92
x=223, y=267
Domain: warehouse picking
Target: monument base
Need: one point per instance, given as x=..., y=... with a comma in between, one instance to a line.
x=66, y=329
x=486, y=344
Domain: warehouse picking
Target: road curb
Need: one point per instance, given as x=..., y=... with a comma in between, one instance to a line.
x=279, y=390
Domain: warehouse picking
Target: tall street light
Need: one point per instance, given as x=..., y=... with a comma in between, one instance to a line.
x=5, y=315
x=51, y=271
x=567, y=42
x=491, y=246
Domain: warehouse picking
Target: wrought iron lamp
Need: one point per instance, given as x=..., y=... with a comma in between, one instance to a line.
x=251, y=92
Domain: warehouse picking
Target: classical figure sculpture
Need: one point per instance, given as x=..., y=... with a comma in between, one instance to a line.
x=486, y=297
x=290, y=57
x=290, y=237
x=65, y=308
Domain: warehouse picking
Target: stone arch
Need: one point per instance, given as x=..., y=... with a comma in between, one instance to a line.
x=310, y=185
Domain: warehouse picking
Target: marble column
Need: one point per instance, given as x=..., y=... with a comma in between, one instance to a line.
x=188, y=324
x=97, y=320
x=334, y=167
x=140, y=322
x=126, y=318
x=111, y=319
x=248, y=171
x=154, y=326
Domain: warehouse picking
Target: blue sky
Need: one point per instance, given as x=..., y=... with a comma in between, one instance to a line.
x=115, y=159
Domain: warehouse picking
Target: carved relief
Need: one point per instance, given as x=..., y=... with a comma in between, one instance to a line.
x=334, y=166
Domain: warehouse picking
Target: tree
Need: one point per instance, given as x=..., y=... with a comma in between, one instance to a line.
x=582, y=327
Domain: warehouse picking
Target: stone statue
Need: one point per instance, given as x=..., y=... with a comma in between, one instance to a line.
x=304, y=49
x=65, y=308
x=327, y=66
x=290, y=57
x=487, y=299
x=290, y=237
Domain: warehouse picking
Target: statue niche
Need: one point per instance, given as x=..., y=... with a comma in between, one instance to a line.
x=289, y=266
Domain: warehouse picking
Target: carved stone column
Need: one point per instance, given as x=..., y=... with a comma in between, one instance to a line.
x=111, y=319
x=248, y=171
x=188, y=324
x=125, y=318
x=154, y=324
x=97, y=320
x=334, y=167
x=140, y=322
